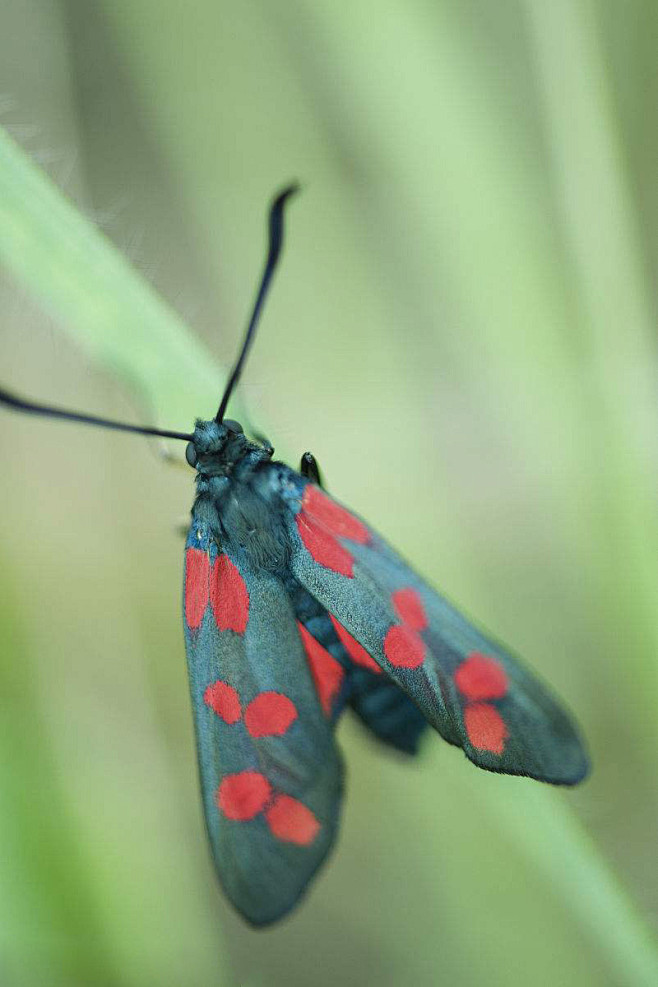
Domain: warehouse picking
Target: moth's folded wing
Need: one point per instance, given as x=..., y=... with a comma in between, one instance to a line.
x=271, y=776
x=471, y=689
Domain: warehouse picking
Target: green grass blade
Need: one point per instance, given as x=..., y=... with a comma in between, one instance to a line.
x=102, y=302
x=548, y=833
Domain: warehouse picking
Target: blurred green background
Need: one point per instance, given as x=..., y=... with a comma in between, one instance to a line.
x=463, y=331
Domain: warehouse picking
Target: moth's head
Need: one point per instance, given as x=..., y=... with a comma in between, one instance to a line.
x=215, y=446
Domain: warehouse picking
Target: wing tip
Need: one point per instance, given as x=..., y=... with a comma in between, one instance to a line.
x=263, y=917
x=571, y=772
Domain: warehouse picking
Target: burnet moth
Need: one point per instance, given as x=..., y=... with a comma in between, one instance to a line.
x=294, y=609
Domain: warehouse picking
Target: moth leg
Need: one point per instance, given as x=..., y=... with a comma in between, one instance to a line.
x=165, y=455
x=264, y=441
x=182, y=527
x=258, y=436
x=310, y=468
x=158, y=446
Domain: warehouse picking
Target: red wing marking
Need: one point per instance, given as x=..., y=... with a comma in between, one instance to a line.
x=224, y=700
x=243, y=795
x=485, y=727
x=323, y=547
x=356, y=651
x=292, y=821
x=409, y=608
x=270, y=714
x=229, y=596
x=481, y=677
x=326, y=671
x=332, y=516
x=403, y=647
x=197, y=586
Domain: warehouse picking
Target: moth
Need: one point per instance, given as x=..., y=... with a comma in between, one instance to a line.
x=294, y=610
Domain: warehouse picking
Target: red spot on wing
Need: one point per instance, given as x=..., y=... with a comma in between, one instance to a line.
x=292, y=821
x=409, y=608
x=270, y=714
x=243, y=795
x=323, y=546
x=481, y=677
x=331, y=515
x=403, y=647
x=356, y=651
x=485, y=727
x=326, y=671
x=224, y=700
x=229, y=596
x=197, y=586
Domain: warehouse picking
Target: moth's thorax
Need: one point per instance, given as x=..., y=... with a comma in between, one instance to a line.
x=236, y=502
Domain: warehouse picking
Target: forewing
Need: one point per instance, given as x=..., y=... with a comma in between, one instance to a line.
x=270, y=773
x=472, y=690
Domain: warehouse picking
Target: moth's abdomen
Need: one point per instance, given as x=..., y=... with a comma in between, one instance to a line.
x=324, y=655
x=386, y=711
x=345, y=674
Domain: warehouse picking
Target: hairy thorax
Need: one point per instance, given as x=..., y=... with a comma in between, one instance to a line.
x=237, y=496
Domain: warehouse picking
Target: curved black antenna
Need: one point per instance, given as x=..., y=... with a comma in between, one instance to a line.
x=274, y=250
x=19, y=404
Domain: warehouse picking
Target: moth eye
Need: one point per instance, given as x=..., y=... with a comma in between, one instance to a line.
x=190, y=454
x=233, y=426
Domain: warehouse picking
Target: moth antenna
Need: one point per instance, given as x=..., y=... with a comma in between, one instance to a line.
x=273, y=254
x=30, y=407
